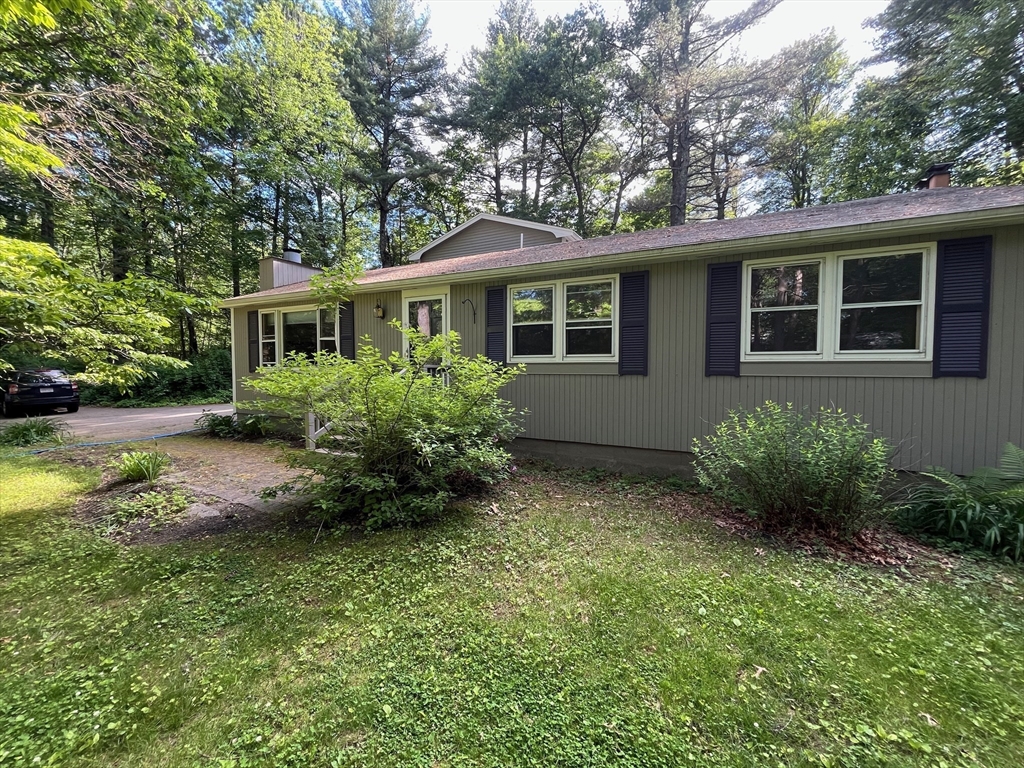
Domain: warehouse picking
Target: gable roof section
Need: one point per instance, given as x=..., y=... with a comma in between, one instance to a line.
x=892, y=215
x=560, y=232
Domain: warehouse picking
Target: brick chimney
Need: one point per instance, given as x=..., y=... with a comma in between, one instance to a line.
x=936, y=176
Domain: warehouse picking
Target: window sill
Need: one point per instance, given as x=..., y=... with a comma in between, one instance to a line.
x=843, y=368
x=582, y=368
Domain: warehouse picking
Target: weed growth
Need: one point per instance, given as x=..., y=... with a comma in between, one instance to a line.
x=155, y=506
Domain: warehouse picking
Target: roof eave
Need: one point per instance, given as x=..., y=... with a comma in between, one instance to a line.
x=892, y=227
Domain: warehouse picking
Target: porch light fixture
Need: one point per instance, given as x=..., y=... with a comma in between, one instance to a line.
x=378, y=311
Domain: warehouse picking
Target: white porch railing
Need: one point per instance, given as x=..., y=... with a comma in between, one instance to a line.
x=314, y=430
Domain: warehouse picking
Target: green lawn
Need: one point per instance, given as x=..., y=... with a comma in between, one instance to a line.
x=565, y=623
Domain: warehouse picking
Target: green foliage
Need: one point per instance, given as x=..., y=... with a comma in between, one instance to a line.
x=560, y=626
x=155, y=506
x=984, y=509
x=207, y=379
x=33, y=431
x=402, y=441
x=335, y=284
x=136, y=466
x=254, y=425
x=117, y=330
x=232, y=426
x=220, y=425
x=790, y=469
x=965, y=58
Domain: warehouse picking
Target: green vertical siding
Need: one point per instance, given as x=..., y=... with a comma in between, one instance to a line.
x=488, y=237
x=954, y=422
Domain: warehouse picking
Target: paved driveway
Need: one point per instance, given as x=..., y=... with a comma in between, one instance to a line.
x=94, y=424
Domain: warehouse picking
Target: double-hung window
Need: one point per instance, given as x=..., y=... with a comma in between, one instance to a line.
x=268, y=338
x=854, y=305
x=564, y=321
x=328, y=329
x=882, y=303
x=302, y=330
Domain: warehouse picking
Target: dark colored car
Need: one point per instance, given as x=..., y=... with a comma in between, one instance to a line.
x=37, y=390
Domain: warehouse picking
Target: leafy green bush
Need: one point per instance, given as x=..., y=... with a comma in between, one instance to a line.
x=233, y=426
x=218, y=425
x=401, y=442
x=136, y=466
x=984, y=509
x=254, y=425
x=791, y=469
x=33, y=431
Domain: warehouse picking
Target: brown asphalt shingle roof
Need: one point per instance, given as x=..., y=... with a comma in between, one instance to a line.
x=875, y=210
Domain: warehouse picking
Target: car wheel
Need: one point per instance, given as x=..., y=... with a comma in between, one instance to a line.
x=10, y=411
x=72, y=409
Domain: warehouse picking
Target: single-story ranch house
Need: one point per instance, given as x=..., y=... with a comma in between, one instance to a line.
x=907, y=309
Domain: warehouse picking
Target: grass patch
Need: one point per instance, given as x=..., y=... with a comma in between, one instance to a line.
x=567, y=622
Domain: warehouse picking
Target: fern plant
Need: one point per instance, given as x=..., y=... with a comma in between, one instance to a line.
x=983, y=509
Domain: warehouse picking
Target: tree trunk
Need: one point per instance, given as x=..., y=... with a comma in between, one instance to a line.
x=540, y=173
x=617, y=210
x=525, y=163
x=120, y=248
x=236, y=256
x=581, y=205
x=499, y=202
x=679, y=162
x=286, y=227
x=384, y=247
x=277, y=220
x=47, y=226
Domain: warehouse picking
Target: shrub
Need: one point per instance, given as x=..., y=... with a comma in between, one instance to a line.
x=33, y=431
x=790, y=469
x=254, y=425
x=218, y=425
x=984, y=509
x=402, y=441
x=136, y=466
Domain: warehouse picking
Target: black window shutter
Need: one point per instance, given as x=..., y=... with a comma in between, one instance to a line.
x=724, y=320
x=634, y=300
x=495, y=344
x=253, y=321
x=963, y=288
x=347, y=329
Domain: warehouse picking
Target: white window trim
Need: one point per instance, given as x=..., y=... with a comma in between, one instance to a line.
x=558, y=319
x=830, y=290
x=279, y=330
x=425, y=295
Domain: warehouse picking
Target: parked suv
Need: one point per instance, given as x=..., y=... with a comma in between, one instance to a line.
x=36, y=391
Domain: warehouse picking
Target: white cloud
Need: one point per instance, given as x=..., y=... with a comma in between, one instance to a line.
x=458, y=25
